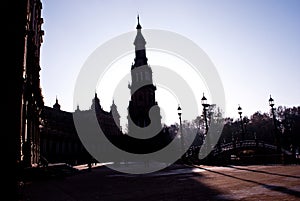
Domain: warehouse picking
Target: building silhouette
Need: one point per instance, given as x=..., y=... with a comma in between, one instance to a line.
x=29, y=102
x=145, y=131
x=60, y=142
x=59, y=139
x=23, y=39
x=142, y=90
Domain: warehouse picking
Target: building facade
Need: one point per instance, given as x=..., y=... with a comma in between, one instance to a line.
x=59, y=139
x=29, y=94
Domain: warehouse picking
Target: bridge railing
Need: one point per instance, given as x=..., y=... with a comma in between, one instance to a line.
x=245, y=143
x=220, y=148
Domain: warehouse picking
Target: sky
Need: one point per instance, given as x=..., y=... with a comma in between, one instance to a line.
x=254, y=45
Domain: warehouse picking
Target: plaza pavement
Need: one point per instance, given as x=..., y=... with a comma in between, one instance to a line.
x=174, y=183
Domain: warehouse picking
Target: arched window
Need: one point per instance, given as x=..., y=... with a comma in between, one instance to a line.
x=147, y=77
x=141, y=73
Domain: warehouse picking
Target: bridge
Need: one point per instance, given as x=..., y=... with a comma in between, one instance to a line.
x=245, y=152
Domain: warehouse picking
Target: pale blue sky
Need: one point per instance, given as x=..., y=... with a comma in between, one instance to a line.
x=254, y=44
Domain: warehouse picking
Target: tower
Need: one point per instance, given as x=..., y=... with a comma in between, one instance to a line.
x=115, y=114
x=96, y=107
x=143, y=110
x=56, y=105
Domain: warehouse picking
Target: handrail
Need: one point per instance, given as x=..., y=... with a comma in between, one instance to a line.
x=246, y=143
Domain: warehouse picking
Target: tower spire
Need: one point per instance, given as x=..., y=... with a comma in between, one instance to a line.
x=139, y=43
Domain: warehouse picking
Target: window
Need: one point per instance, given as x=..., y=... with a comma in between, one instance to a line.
x=147, y=77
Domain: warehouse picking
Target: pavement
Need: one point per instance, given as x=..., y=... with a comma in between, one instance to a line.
x=173, y=183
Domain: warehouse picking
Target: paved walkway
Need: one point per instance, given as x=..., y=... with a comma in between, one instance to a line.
x=274, y=182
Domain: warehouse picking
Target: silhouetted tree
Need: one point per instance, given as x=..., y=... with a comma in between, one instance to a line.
x=289, y=119
x=262, y=125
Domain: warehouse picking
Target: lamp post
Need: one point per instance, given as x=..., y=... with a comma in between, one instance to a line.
x=271, y=103
x=205, y=106
x=242, y=123
x=181, y=134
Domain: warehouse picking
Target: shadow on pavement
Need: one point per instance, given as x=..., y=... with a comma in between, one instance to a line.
x=263, y=172
x=281, y=189
x=102, y=183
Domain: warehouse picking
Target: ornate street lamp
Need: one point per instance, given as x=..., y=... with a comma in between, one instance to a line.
x=240, y=111
x=181, y=134
x=242, y=123
x=205, y=106
x=271, y=103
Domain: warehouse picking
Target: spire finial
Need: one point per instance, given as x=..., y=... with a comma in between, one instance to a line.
x=138, y=25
